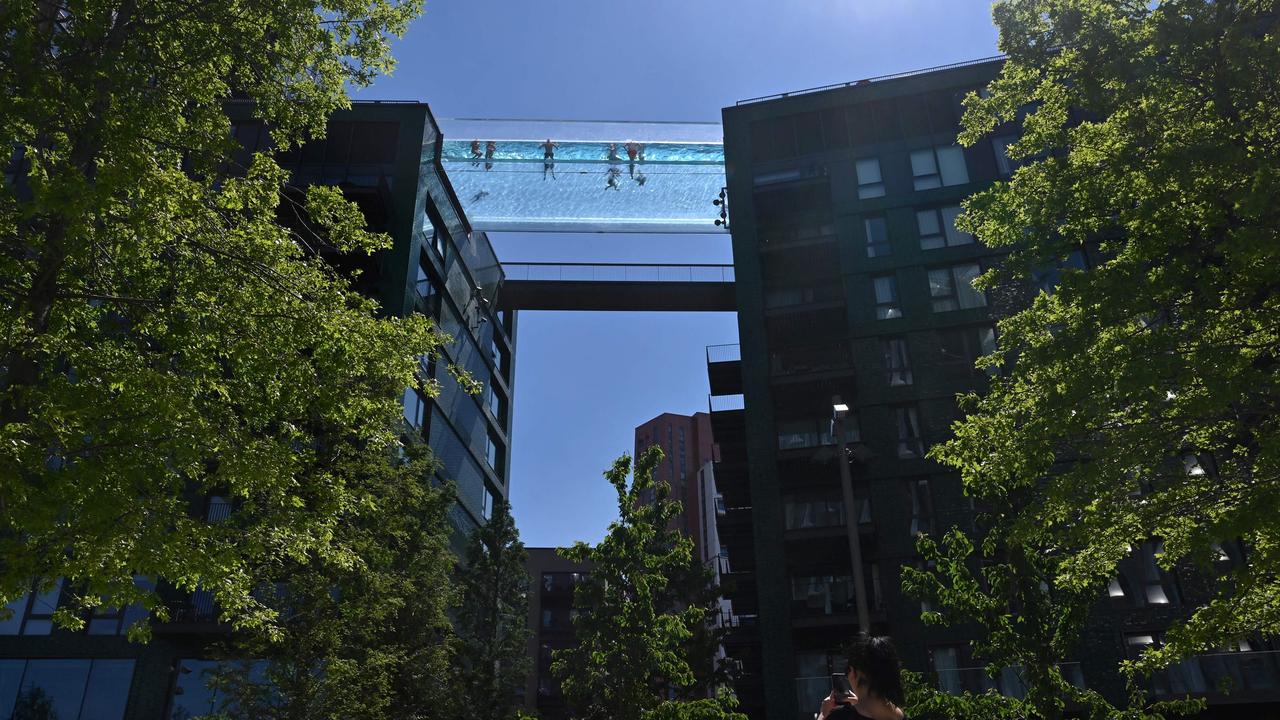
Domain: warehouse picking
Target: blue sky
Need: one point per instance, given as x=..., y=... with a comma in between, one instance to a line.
x=585, y=380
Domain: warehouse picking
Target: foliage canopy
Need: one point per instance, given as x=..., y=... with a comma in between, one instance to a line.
x=1140, y=398
x=162, y=337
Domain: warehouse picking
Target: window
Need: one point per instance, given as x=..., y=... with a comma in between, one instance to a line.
x=1142, y=581
x=33, y=612
x=921, y=507
x=938, y=167
x=819, y=513
x=877, y=594
x=1005, y=165
x=1186, y=676
x=963, y=346
x=952, y=288
x=910, y=444
x=822, y=594
x=1047, y=279
x=897, y=365
x=497, y=403
x=68, y=689
x=877, y=237
x=886, y=292
x=486, y=504
x=937, y=228
x=493, y=453
x=415, y=408
x=870, y=184
x=116, y=621
x=423, y=286
x=815, y=432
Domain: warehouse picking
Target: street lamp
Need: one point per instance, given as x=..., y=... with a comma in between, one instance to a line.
x=839, y=411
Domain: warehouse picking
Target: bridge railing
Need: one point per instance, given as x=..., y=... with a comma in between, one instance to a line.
x=618, y=272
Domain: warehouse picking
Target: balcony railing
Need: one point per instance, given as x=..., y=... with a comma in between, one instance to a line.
x=1232, y=671
x=724, y=353
x=809, y=694
x=1008, y=682
x=811, y=359
x=724, y=403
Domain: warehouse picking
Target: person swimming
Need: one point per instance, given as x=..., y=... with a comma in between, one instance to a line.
x=612, y=181
x=641, y=179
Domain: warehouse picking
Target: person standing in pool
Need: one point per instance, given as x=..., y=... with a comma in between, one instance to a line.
x=475, y=152
x=612, y=181
x=633, y=149
x=490, y=148
x=549, y=149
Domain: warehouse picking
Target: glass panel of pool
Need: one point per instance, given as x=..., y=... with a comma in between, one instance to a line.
x=575, y=176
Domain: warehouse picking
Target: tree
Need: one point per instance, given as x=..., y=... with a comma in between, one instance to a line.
x=1139, y=399
x=370, y=640
x=632, y=660
x=492, y=617
x=162, y=338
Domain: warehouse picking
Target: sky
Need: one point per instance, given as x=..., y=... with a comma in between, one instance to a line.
x=585, y=380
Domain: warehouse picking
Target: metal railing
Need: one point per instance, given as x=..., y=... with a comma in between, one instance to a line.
x=1008, y=682
x=1237, y=671
x=724, y=403
x=618, y=272
x=878, y=78
x=731, y=352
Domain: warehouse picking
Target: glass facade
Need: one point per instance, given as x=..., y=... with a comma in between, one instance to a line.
x=65, y=688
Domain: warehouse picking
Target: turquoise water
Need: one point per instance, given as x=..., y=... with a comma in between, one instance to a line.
x=582, y=189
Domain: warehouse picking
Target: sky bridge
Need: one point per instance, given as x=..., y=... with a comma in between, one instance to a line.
x=617, y=286
x=580, y=176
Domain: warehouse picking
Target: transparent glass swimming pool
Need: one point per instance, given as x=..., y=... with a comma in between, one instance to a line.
x=601, y=176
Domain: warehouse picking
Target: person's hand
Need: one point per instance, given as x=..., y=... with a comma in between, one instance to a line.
x=833, y=701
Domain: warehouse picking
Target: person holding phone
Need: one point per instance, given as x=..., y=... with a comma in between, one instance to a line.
x=870, y=688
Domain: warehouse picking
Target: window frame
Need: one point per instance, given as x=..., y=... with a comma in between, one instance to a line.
x=947, y=235
x=895, y=353
x=909, y=446
x=870, y=189
x=925, y=181
x=881, y=247
x=890, y=309
x=941, y=302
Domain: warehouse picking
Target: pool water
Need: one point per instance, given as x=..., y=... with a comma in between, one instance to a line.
x=583, y=189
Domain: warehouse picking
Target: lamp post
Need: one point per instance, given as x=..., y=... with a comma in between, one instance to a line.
x=839, y=411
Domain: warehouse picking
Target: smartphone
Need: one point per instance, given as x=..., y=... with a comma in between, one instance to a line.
x=840, y=685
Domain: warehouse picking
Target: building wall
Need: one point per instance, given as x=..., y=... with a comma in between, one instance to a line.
x=820, y=236
x=550, y=611
x=686, y=445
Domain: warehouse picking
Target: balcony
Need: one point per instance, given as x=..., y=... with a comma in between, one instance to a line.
x=724, y=369
x=1216, y=674
x=781, y=301
x=192, y=613
x=1008, y=682
x=825, y=358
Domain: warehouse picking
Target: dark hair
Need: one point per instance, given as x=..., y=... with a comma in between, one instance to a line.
x=875, y=658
